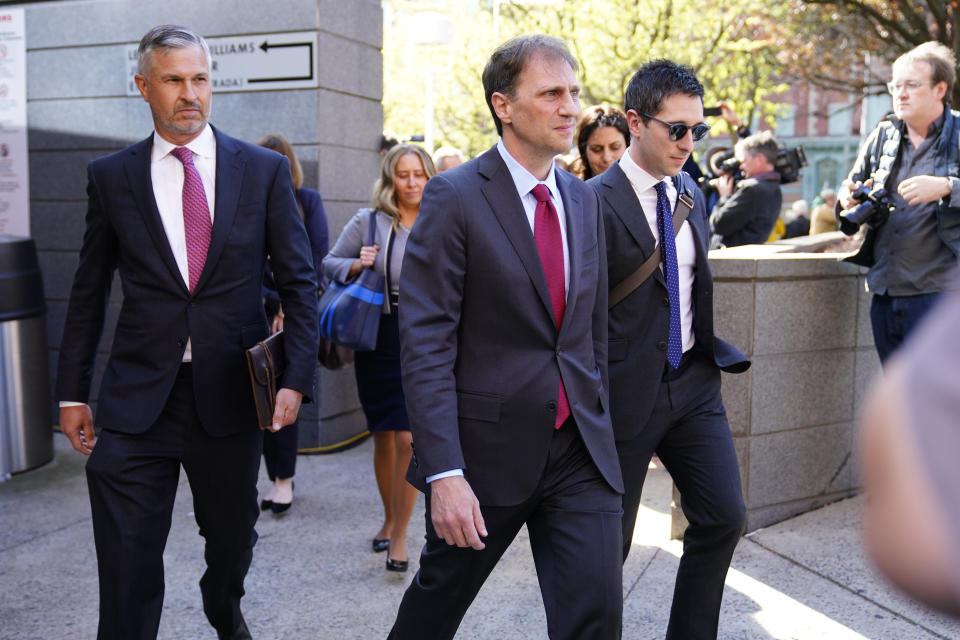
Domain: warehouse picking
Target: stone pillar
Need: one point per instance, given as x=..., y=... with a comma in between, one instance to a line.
x=78, y=109
x=803, y=319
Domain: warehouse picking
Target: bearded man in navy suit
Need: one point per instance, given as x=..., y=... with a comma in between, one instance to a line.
x=187, y=218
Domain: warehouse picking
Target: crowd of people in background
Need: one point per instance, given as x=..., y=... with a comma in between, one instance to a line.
x=749, y=208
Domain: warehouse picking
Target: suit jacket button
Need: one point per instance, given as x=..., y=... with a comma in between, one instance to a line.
x=665, y=302
x=180, y=343
x=662, y=345
x=552, y=406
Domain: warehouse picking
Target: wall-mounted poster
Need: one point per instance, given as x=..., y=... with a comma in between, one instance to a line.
x=14, y=168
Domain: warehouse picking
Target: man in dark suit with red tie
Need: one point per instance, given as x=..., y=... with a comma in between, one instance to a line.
x=187, y=218
x=503, y=337
x=665, y=361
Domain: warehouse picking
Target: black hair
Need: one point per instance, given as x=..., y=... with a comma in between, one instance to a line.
x=596, y=118
x=657, y=80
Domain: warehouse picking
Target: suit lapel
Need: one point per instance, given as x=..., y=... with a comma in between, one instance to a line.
x=622, y=200
x=230, y=167
x=573, y=211
x=137, y=166
x=501, y=194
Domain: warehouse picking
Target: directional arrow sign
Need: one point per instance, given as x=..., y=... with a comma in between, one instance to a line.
x=256, y=62
x=307, y=50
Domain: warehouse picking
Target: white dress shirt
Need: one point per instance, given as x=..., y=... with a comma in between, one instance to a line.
x=525, y=182
x=643, y=185
x=166, y=174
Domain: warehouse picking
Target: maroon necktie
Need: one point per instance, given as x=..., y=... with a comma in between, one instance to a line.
x=196, y=216
x=546, y=233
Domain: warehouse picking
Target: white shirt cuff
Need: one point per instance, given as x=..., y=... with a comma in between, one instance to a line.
x=445, y=474
x=70, y=403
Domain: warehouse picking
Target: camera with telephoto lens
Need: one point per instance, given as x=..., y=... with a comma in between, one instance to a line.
x=788, y=164
x=873, y=208
x=730, y=165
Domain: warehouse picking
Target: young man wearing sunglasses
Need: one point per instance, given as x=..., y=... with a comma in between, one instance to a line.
x=664, y=361
x=747, y=211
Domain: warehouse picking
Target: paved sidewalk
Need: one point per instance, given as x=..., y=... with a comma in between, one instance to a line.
x=314, y=576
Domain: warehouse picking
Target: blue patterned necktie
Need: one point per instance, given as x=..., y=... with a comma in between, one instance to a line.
x=668, y=254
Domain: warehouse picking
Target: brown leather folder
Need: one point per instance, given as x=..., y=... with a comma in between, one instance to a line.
x=265, y=361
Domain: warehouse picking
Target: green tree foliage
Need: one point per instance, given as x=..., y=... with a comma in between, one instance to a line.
x=846, y=39
x=734, y=45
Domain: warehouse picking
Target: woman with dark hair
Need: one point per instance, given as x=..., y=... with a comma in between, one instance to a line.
x=396, y=204
x=280, y=448
x=602, y=137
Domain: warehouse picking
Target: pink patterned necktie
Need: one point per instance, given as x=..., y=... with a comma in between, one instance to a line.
x=196, y=216
x=546, y=233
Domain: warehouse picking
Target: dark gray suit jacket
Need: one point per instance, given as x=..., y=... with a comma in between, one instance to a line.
x=640, y=323
x=255, y=216
x=481, y=354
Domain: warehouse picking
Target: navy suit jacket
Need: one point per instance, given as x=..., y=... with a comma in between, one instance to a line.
x=640, y=323
x=481, y=354
x=255, y=216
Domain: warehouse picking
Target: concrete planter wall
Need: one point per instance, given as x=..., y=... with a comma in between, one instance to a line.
x=803, y=319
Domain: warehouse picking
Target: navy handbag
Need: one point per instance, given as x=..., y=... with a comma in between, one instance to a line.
x=350, y=313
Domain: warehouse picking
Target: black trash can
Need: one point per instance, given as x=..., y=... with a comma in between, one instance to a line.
x=26, y=431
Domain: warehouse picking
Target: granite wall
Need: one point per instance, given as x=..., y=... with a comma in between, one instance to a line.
x=78, y=109
x=803, y=319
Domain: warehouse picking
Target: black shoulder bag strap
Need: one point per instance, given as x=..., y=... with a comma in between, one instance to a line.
x=645, y=270
x=386, y=256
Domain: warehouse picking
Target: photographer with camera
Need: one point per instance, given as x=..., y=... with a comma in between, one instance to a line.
x=904, y=188
x=747, y=211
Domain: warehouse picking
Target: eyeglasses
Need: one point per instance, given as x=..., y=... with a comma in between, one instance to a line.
x=909, y=85
x=678, y=130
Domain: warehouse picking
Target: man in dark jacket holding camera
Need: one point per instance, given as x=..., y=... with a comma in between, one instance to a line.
x=912, y=252
x=747, y=212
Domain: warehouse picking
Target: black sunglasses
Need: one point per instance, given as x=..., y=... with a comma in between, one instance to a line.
x=678, y=129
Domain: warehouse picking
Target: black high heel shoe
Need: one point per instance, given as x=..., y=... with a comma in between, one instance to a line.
x=266, y=505
x=380, y=545
x=397, y=565
x=280, y=507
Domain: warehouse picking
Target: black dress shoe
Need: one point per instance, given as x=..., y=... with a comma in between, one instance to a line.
x=240, y=633
x=397, y=565
x=266, y=505
x=380, y=545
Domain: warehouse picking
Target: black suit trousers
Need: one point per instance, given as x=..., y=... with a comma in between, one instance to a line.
x=133, y=479
x=280, y=451
x=573, y=519
x=688, y=430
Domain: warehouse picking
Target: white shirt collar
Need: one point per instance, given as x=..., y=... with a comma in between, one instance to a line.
x=523, y=179
x=204, y=145
x=638, y=176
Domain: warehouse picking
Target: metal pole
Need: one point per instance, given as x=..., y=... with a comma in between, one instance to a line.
x=428, y=112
